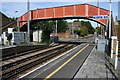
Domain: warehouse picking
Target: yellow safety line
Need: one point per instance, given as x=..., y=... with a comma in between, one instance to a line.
x=65, y=63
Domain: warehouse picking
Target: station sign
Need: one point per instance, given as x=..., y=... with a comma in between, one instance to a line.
x=100, y=17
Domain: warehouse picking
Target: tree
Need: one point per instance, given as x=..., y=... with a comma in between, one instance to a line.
x=89, y=26
x=80, y=32
x=48, y=27
x=12, y=19
x=76, y=21
x=85, y=28
x=62, y=26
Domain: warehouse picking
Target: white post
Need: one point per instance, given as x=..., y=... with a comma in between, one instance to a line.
x=116, y=57
x=112, y=48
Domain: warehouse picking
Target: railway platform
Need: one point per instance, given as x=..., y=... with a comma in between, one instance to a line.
x=97, y=66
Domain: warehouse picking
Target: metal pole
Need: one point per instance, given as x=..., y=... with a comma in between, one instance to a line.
x=98, y=11
x=18, y=25
x=56, y=28
x=101, y=31
x=72, y=29
x=28, y=22
x=98, y=8
x=110, y=19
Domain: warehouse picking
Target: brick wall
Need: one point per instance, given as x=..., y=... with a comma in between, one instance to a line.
x=62, y=35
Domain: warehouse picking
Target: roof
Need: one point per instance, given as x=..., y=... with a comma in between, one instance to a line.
x=3, y=14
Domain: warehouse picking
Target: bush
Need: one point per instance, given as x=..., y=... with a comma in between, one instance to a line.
x=80, y=32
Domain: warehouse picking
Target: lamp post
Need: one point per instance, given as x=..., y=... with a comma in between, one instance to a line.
x=28, y=22
x=18, y=23
x=110, y=19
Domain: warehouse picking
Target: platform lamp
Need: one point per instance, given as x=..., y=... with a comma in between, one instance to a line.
x=28, y=22
x=18, y=23
x=110, y=19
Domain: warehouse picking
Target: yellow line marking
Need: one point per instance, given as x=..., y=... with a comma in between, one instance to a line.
x=65, y=63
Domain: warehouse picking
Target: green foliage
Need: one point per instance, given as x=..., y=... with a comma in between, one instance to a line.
x=77, y=31
x=62, y=26
x=86, y=28
x=12, y=19
x=89, y=26
x=48, y=27
x=99, y=30
x=80, y=32
x=76, y=21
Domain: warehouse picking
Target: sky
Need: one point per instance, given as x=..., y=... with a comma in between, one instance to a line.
x=9, y=7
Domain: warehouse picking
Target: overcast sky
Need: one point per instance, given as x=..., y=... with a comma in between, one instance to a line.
x=10, y=6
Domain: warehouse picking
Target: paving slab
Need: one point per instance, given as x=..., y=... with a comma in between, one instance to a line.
x=95, y=67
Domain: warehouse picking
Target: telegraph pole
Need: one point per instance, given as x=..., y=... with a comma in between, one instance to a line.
x=28, y=22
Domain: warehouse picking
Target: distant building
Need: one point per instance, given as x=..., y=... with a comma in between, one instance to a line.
x=117, y=28
x=5, y=23
x=74, y=25
x=4, y=19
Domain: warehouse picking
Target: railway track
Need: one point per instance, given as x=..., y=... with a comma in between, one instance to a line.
x=29, y=60
x=16, y=54
x=24, y=57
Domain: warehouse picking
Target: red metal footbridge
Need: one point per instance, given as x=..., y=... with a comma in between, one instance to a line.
x=80, y=11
